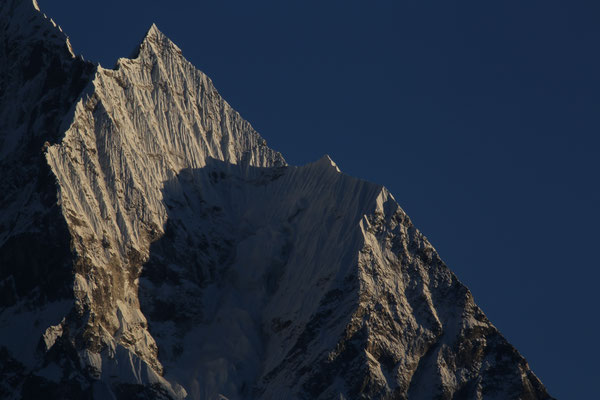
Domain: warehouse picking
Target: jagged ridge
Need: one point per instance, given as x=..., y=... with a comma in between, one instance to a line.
x=193, y=261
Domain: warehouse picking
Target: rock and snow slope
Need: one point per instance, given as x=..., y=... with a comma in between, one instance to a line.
x=176, y=255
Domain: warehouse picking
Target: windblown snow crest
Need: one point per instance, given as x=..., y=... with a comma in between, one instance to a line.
x=185, y=259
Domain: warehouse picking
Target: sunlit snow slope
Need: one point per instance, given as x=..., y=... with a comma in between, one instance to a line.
x=153, y=246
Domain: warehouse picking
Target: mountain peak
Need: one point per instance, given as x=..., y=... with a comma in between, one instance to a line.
x=180, y=242
x=158, y=43
x=155, y=42
x=153, y=32
x=328, y=163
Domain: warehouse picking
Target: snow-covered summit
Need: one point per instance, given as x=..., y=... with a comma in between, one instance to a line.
x=155, y=35
x=155, y=247
x=154, y=41
x=327, y=163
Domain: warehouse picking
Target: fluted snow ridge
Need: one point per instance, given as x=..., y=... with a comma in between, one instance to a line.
x=135, y=128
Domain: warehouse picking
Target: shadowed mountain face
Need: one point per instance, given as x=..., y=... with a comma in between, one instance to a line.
x=303, y=282
x=40, y=80
x=153, y=246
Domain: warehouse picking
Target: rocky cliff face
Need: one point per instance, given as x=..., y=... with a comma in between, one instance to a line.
x=153, y=246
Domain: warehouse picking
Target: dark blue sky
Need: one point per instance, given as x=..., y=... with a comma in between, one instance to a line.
x=482, y=118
